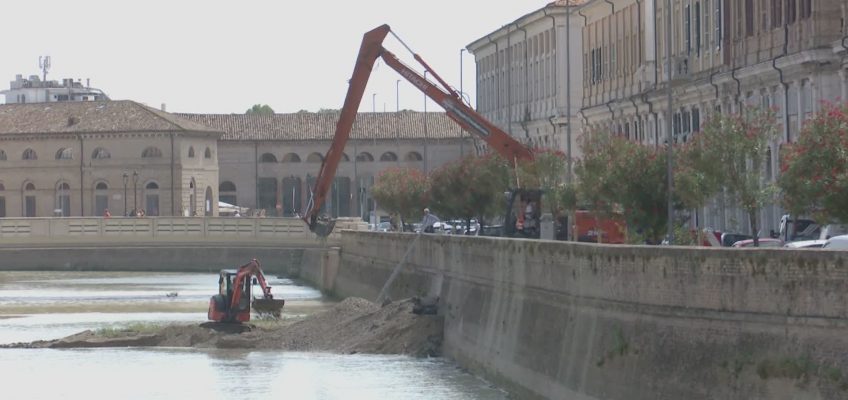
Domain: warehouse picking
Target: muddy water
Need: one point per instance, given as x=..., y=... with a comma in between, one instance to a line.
x=47, y=305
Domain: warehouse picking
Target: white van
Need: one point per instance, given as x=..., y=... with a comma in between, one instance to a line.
x=836, y=243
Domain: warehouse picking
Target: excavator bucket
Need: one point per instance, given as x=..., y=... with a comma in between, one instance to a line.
x=322, y=226
x=268, y=307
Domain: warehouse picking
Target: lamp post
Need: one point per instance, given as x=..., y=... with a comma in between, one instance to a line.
x=425, y=127
x=135, y=184
x=669, y=126
x=126, y=179
x=397, y=95
x=461, y=91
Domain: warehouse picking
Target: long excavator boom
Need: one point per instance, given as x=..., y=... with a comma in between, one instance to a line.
x=371, y=49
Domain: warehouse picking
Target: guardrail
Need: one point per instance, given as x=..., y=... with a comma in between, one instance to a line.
x=164, y=229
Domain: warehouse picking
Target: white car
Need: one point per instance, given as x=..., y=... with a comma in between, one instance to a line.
x=805, y=244
x=837, y=243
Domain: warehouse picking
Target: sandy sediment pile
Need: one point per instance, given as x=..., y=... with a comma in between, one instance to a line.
x=353, y=326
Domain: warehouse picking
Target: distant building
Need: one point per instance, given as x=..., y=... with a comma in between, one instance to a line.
x=36, y=90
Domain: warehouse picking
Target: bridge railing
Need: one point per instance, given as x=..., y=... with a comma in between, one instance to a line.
x=162, y=229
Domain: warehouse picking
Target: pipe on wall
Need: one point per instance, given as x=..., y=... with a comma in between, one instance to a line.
x=173, y=177
x=82, y=176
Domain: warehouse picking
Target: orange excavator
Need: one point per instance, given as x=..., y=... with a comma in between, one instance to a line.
x=233, y=301
x=370, y=50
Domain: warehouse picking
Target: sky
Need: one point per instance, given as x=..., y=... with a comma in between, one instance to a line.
x=214, y=56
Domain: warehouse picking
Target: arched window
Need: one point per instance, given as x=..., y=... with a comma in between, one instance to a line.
x=151, y=199
x=413, y=156
x=291, y=158
x=227, y=192
x=63, y=198
x=268, y=158
x=100, y=154
x=29, y=154
x=388, y=156
x=151, y=152
x=191, y=152
x=101, y=198
x=65, y=154
x=314, y=158
x=192, y=198
x=227, y=186
x=207, y=153
x=29, y=199
x=2, y=155
x=364, y=156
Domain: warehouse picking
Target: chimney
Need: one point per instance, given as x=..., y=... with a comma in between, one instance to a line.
x=87, y=83
x=164, y=107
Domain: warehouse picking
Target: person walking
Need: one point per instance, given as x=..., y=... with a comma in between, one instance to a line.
x=428, y=221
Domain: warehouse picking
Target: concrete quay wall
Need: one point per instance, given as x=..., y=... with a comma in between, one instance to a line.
x=581, y=321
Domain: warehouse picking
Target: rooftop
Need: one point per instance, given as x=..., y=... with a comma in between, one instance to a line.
x=91, y=117
x=322, y=126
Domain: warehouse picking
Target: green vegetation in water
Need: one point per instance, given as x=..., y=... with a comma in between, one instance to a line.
x=135, y=328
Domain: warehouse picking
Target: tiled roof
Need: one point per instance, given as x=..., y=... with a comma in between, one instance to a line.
x=322, y=126
x=91, y=117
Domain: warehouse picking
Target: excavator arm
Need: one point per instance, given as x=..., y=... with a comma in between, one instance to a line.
x=371, y=49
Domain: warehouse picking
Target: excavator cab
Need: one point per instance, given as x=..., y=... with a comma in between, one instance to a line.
x=233, y=301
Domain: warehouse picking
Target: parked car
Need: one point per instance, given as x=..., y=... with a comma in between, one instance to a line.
x=837, y=243
x=764, y=242
x=728, y=239
x=384, y=227
x=805, y=244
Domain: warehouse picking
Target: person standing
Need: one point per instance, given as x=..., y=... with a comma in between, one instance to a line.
x=428, y=221
x=107, y=214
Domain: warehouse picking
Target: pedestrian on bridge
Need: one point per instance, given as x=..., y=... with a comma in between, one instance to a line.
x=428, y=221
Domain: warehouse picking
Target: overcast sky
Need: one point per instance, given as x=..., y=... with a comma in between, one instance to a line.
x=216, y=56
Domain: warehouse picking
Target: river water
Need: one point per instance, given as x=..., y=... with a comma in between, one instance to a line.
x=49, y=305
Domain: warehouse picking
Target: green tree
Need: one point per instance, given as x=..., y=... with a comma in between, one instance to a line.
x=616, y=174
x=261, y=109
x=472, y=187
x=547, y=172
x=402, y=191
x=814, y=170
x=733, y=152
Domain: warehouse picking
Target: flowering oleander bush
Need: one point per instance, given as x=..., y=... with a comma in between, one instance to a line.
x=471, y=187
x=814, y=170
x=402, y=191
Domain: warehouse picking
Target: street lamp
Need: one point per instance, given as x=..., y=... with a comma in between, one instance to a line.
x=397, y=95
x=425, y=127
x=135, y=183
x=126, y=178
x=461, y=91
x=669, y=127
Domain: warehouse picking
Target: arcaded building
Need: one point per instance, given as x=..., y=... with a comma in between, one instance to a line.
x=270, y=162
x=81, y=158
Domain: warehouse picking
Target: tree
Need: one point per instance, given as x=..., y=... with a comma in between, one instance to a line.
x=617, y=174
x=732, y=151
x=472, y=187
x=402, y=191
x=547, y=172
x=814, y=170
x=260, y=109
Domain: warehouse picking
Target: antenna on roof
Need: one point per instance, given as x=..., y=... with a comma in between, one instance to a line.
x=44, y=65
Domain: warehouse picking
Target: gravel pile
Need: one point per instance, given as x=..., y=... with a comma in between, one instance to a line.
x=353, y=326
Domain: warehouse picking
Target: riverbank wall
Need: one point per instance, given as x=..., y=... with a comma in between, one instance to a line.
x=581, y=321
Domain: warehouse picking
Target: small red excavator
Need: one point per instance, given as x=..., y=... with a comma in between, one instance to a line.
x=447, y=97
x=233, y=301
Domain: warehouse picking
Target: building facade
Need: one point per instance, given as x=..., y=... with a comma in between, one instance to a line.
x=81, y=158
x=529, y=77
x=36, y=90
x=725, y=55
x=270, y=162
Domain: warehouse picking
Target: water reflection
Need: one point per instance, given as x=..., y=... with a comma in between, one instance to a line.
x=226, y=374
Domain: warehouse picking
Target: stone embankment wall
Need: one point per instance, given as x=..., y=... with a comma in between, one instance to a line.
x=581, y=321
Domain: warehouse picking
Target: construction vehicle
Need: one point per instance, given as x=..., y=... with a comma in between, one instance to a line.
x=233, y=301
x=447, y=97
